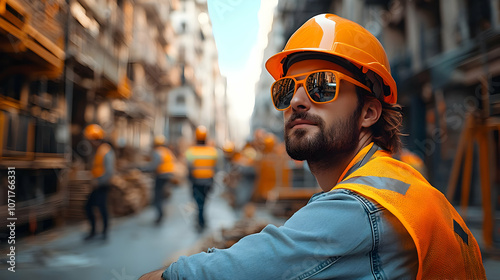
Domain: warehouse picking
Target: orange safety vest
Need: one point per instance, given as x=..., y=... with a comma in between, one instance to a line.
x=98, y=168
x=167, y=164
x=446, y=248
x=202, y=160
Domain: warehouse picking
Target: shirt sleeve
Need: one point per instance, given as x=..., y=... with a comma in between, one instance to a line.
x=333, y=226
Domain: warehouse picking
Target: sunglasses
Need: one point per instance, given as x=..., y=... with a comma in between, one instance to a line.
x=322, y=86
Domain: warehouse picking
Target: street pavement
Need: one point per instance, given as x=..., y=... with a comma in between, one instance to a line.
x=136, y=246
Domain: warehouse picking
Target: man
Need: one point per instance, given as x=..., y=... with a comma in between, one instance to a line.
x=163, y=165
x=103, y=168
x=201, y=160
x=377, y=218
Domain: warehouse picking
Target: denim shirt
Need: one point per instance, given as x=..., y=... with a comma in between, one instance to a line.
x=338, y=234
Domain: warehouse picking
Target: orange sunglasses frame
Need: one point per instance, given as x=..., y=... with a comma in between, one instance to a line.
x=338, y=77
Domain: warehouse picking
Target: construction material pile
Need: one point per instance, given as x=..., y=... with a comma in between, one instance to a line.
x=130, y=193
x=79, y=187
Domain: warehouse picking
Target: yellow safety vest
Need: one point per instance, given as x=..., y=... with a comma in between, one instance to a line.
x=167, y=164
x=446, y=248
x=202, y=160
x=98, y=168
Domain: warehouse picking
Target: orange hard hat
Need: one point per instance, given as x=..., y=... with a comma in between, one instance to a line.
x=269, y=142
x=159, y=140
x=94, y=132
x=228, y=147
x=331, y=35
x=201, y=133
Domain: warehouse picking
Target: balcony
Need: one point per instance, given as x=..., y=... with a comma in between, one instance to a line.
x=99, y=9
x=88, y=52
x=109, y=65
x=46, y=17
x=157, y=10
x=81, y=45
x=118, y=22
x=36, y=29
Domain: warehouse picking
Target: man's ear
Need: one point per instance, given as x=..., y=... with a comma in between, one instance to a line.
x=371, y=112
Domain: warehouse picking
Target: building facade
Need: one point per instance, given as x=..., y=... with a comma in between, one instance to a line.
x=33, y=112
x=123, y=64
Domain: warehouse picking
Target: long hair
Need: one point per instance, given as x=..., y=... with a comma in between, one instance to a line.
x=387, y=130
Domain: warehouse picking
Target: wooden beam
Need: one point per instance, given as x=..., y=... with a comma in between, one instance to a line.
x=43, y=53
x=484, y=171
x=52, y=58
x=49, y=45
x=457, y=162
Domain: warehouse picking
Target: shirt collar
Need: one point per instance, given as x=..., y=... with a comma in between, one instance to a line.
x=360, y=159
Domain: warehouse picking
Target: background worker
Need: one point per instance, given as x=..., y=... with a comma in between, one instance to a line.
x=377, y=218
x=411, y=159
x=103, y=168
x=229, y=152
x=201, y=160
x=163, y=165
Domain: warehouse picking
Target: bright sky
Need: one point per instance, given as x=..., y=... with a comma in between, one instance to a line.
x=240, y=29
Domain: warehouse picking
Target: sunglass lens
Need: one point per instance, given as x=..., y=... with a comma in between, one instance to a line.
x=282, y=93
x=321, y=86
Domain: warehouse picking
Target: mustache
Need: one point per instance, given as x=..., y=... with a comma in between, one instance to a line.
x=304, y=116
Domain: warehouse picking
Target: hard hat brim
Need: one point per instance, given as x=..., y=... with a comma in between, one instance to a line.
x=274, y=64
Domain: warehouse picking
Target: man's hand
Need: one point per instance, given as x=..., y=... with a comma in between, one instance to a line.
x=154, y=275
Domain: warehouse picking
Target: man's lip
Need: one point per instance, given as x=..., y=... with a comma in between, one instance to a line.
x=300, y=121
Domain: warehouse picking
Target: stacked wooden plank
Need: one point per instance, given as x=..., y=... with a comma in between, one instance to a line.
x=79, y=187
x=130, y=193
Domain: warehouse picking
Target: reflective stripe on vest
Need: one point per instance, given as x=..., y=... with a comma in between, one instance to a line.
x=167, y=164
x=98, y=168
x=202, y=160
x=446, y=248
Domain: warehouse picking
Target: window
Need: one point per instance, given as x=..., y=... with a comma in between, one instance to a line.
x=479, y=16
x=180, y=100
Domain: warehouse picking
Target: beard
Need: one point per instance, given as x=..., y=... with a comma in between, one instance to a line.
x=325, y=146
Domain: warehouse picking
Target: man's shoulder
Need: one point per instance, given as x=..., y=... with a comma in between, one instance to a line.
x=389, y=167
x=337, y=194
x=105, y=148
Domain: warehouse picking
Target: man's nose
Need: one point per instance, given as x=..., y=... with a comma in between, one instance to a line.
x=300, y=100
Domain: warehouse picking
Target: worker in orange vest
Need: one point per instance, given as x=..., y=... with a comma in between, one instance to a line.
x=201, y=160
x=376, y=217
x=267, y=169
x=412, y=159
x=163, y=165
x=229, y=152
x=103, y=168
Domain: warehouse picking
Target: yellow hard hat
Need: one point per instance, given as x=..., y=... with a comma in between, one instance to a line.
x=201, y=133
x=331, y=35
x=94, y=132
x=159, y=140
